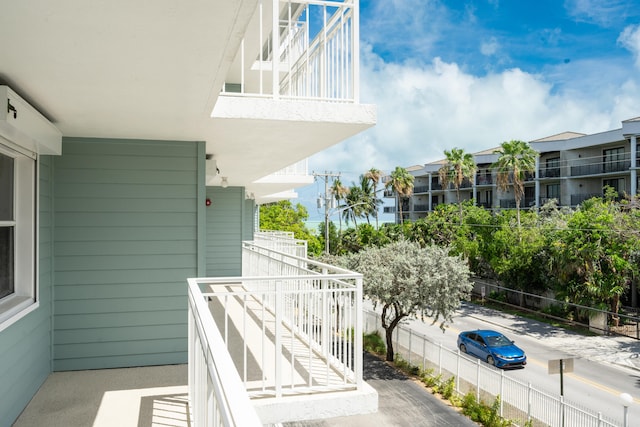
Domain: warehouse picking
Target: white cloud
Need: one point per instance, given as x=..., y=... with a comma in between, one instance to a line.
x=425, y=109
x=489, y=47
x=630, y=39
x=599, y=12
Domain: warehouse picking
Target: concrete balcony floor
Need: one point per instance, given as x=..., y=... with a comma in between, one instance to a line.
x=136, y=397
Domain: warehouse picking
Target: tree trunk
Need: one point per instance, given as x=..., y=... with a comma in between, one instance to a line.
x=389, y=338
x=614, y=309
x=388, y=329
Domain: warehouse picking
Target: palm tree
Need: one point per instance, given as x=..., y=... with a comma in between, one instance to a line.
x=516, y=158
x=458, y=167
x=340, y=192
x=401, y=181
x=374, y=175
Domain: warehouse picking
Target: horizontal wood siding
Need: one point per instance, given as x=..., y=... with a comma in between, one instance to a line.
x=125, y=243
x=224, y=231
x=249, y=220
x=25, y=347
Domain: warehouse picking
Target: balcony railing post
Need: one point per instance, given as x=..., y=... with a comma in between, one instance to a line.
x=275, y=50
x=357, y=354
x=278, y=337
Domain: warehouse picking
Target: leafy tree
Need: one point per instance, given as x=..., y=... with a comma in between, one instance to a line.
x=407, y=280
x=519, y=257
x=375, y=175
x=339, y=192
x=335, y=246
x=594, y=255
x=283, y=216
x=459, y=166
x=401, y=181
x=516, y=158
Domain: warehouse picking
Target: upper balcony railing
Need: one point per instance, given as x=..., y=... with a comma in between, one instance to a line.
x=282, y=241
x=293, y=325
x=600, y=167
x=312, y=55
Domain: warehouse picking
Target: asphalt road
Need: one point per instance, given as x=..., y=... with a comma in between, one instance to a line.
x=401, y=403
x=596, y=385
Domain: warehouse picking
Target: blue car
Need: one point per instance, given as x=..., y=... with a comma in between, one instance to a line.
x=492, y=347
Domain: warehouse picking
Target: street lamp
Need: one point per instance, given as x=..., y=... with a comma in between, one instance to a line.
x=626, y=401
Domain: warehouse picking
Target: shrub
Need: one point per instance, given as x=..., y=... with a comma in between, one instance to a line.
x=373, y=343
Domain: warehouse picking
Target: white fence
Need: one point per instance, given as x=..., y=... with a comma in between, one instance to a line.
x=287, y=327
x=519, y=402
x=281, y=241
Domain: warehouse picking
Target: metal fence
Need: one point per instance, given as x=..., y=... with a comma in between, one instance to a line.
x=599, y=321
x=520, y=402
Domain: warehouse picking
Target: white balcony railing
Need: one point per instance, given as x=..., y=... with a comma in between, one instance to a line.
x=316, y=52
x=292, y=327
x=281, y=241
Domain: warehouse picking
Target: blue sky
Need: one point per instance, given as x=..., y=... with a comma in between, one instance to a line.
x=472, y=74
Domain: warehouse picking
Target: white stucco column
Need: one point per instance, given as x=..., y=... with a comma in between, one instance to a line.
x=429, y=201
x=537, y=183
x=634, y=172
x=474, y=189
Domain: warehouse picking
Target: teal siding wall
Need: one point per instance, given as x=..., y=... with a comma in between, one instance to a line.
x=25, y=346
x=125, y=241
x=249, y=220
x=225, y=222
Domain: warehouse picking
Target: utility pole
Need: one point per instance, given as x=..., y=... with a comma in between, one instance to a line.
x=327, y=200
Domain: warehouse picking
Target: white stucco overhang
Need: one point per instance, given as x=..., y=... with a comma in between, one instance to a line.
x=153, y=69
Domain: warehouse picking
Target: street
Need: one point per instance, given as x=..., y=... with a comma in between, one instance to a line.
x=594, y=385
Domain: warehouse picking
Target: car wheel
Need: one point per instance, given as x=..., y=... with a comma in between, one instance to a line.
x=491, y=361
x=463, y=348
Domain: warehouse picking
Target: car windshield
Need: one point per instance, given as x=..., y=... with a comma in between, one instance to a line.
x=497, y=341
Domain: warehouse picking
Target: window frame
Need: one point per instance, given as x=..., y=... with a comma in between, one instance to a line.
x=24, y=297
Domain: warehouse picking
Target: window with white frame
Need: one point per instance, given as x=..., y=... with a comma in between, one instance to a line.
x=17, y=232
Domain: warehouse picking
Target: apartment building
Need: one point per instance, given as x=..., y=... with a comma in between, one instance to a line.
x=137, y=141
x=571, y=167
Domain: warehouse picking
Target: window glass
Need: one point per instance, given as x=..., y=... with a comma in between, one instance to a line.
x=6, y=261
x=6, y=188
x=553, y=191
x=6, y=225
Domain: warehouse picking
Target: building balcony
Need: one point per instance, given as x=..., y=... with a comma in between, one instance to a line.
x=484, y=180
x=312, y=54
x=421, y=189
x=282, y=342
x=599, y=168
x=526, y=202
x=553, y=172
x=420, y=208
x=576, y=199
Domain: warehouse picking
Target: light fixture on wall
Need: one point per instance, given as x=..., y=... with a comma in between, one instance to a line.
x=224, y=182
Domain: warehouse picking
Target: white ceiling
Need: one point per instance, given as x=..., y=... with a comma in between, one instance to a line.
x=153, y=69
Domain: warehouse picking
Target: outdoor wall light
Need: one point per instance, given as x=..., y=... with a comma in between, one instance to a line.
x=208, y=202
x=224, y=183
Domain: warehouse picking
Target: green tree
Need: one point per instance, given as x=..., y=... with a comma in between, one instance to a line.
x=339, y=192
x=375, y=175
x=516, y=159
x=459, y=166
x=407, y=280
x=401, y=181
x=594, y=255
x=283, y=216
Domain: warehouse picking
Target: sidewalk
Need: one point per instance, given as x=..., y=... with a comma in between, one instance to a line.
x=401, y=402
x=618, y=350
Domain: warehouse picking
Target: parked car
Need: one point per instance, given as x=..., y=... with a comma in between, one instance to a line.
x=492, y=347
